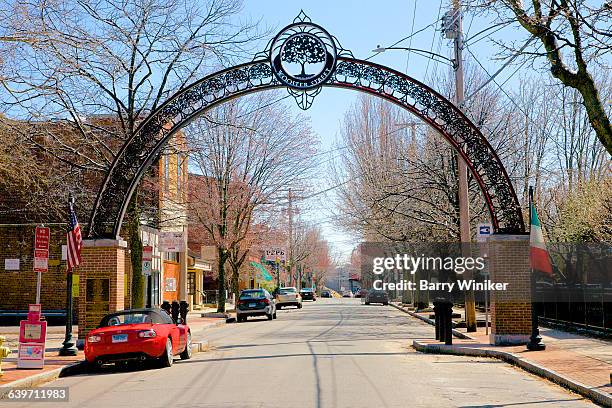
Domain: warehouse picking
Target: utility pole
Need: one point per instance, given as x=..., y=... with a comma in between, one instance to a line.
x=453, y=29
x=290, y=249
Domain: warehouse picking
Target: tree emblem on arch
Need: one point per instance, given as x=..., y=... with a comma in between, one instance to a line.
x=303, y=49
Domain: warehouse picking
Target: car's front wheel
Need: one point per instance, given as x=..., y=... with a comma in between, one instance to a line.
x=167, y=358
x=186, y=354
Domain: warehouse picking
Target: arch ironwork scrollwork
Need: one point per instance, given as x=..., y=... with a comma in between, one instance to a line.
x=303, y=58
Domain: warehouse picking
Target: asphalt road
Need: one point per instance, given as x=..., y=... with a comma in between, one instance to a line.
x=331, y=353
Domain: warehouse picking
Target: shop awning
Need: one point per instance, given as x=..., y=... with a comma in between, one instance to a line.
x=264, y=272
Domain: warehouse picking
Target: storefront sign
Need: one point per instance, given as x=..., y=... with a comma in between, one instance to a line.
x=171, y=241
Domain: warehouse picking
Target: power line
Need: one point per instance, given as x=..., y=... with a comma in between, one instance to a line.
x=406, y=38
x=411, y=34
x=433, y=39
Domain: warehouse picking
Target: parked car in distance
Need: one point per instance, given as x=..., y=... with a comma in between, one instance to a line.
x=255, y=302
x=347, y=294
x=308, y=294
x=138, y=335
x=288, y=297
x=326, y=294
x=377, y=296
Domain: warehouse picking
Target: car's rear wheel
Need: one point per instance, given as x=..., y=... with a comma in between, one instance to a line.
x=367, y=303
x=167, y=358
x=186, y=354
x=385, y=304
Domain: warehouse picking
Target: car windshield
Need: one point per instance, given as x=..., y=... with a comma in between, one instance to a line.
x=135, y=317
x=306, y=290
x=287, y=291
x=252, y=294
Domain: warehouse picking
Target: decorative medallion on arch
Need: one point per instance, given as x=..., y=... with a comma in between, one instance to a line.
x=303, y=58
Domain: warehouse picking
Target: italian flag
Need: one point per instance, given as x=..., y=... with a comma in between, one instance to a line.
x=538, y=255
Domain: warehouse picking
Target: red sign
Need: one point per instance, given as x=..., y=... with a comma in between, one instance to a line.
x=147, y=253
x=41, y=249
x=41, y=240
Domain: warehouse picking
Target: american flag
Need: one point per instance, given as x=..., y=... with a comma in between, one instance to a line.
x=75, y=241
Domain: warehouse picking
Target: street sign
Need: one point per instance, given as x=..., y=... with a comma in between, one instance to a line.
x=147, y=253
x=147, y=259
x=274, y=254
x=170, y=241
x=483, y=231
x=146, y=268
x=41, y=249
x=41, y=260
x=41, y=238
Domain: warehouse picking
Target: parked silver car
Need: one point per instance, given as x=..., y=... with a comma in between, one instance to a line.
x=255, y=302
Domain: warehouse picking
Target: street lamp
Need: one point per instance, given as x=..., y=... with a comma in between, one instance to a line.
x=417, y=51
x=68, y=347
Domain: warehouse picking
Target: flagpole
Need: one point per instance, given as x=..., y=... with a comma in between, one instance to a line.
x=535, y=341
x=69, y=347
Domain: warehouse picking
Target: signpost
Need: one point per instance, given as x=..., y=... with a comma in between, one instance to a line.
x=483, y=232
x=41, y=256
x=147, y=258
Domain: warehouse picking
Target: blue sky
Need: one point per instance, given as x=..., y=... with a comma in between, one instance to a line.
x=360, y=26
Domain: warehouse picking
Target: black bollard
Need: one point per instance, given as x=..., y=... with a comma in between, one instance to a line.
x=448, y=323
x=175, y=310
x=183, y=309
x=437, y=318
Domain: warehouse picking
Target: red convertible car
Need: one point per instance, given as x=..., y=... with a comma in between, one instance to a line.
x=138, y=334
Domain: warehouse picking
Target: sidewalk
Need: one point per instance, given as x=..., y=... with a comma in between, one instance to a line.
x=55, y=366
x=580, y=363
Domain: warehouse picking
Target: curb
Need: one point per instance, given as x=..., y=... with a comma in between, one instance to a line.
x=456, y=333
x=579, y=388
x=45, y=377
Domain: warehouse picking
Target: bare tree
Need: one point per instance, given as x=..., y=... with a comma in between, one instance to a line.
x=245, y=153
x=583, y=30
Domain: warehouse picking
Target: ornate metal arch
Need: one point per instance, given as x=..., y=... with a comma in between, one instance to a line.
x=334, y=67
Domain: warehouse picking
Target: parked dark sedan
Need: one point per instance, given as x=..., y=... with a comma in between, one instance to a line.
x=377, y=296
x=326, y=294
x=308, y=294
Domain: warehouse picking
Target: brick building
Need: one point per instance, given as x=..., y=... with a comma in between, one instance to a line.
x=21, y=211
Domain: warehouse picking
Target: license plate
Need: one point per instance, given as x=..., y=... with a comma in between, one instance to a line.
x=252, y=304
x=120, y=338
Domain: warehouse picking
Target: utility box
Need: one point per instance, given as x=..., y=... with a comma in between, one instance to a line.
x=32, y=338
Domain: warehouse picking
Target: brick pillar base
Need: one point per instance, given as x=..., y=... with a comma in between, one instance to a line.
x=101, y=278
x=510, y=309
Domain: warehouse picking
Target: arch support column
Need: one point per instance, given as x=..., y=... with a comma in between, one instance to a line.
x=102, y=281
x=511, y=308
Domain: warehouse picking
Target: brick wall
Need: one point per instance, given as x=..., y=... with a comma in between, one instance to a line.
x=18, y=288
x=510, y=309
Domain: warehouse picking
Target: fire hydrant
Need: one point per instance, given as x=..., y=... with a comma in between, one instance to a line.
x=4, y=352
